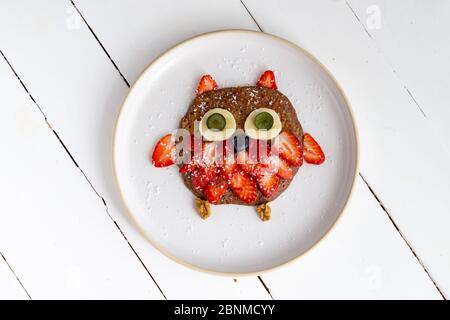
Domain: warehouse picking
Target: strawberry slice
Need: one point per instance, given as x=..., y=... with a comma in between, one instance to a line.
x=288, y=147
x=188, y=167
x=195, y=150
x=267, y=80
x=210, y=153
x=312, y=151
x=280, y=167
x=244, y=162
x=207, y=83
x=202, y=176
x=258, y=150
x=228, y=165
x=194, y=145
x=228, y=169
x=243, y=187
x=204, y=155
x=267, y=180
x=284, y=171
x=215, y=190
x=164, y=152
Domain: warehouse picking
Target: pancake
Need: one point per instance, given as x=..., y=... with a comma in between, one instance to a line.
x=241, y=101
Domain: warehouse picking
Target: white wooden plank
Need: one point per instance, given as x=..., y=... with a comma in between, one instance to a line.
x=119, y=53
x=401, y=155
x=412, y=37
x=80, y=92
x=10, y=288
x=53, y=228
x=136, y=32
x=363, y=258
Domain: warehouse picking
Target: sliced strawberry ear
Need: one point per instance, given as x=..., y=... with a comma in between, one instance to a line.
x=267, y=80
x=207, y=83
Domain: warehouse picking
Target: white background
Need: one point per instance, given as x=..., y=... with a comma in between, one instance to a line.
x=65, y=69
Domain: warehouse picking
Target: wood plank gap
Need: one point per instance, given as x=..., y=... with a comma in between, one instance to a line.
x=412, y=97
x=265, y=287
x=23, y=85
x=84, y=175
x=101, y=45
x=251, y=16
x=67, y=150
x=15, y=275
x=132, y=248
x=402, y=235
x=386, y=60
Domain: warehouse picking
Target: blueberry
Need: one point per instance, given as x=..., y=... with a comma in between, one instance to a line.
x=240, y=143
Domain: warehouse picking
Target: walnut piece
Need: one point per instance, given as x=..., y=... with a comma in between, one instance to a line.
x=203, y=208
x=264, y=211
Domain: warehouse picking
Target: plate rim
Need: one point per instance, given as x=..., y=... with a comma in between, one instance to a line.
x=193, y=267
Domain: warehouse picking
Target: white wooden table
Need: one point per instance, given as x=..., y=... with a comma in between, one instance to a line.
x=67, y=66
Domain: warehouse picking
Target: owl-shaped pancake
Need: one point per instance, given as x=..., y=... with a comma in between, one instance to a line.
x=238, y=145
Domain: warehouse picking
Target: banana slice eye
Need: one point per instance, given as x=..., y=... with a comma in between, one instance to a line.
x=263, y=124
x=217, y=124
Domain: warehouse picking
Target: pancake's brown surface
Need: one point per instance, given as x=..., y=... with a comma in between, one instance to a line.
x=241, y=101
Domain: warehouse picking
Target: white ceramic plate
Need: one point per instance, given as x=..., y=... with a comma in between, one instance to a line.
x=234, y=240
